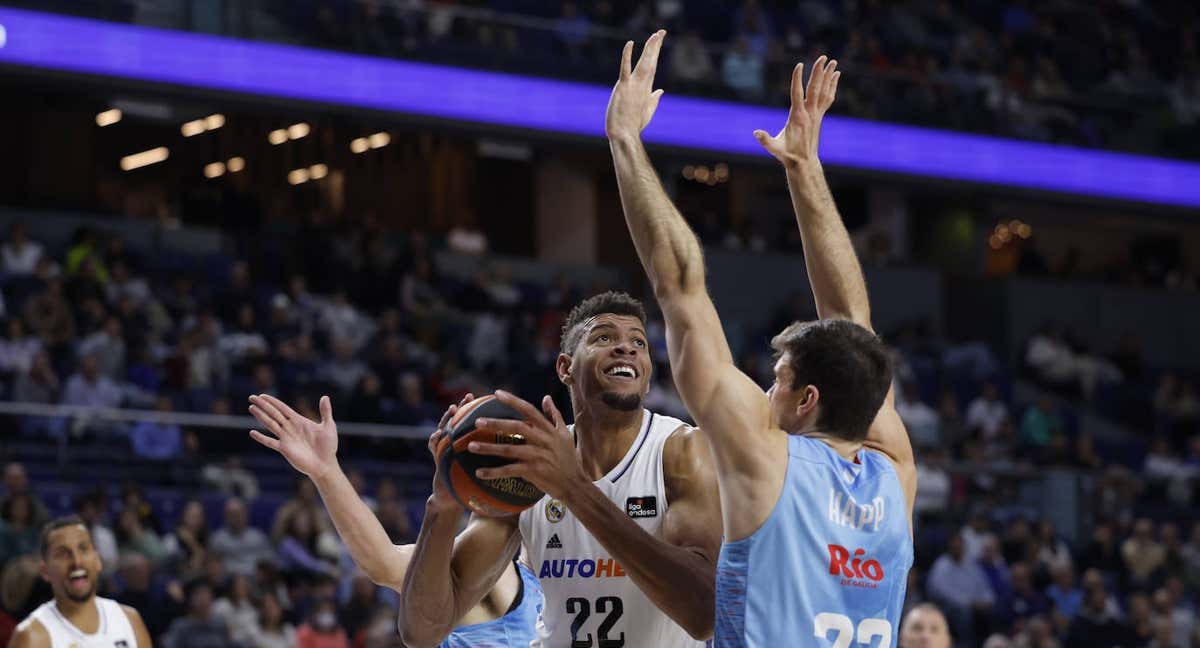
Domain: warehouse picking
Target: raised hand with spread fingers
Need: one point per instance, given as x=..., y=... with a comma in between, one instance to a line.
x=797, y=141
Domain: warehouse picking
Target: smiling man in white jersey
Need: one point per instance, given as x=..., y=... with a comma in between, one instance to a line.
x=816, y=476
x=626, y=539
x=77, y=618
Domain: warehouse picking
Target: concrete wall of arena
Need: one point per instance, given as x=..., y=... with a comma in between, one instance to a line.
x=752, y=288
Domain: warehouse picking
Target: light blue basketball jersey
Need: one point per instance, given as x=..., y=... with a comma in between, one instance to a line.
x=516, y=629
x=829, y=566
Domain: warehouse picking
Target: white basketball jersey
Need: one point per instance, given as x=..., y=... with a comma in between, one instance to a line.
x=589, y=599
x=115, y=631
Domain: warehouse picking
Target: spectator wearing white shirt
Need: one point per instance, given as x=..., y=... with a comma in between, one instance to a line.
x=245, y=343
x=961, y=588
x=18, y=348
x=107, y=346
x=920, y=419
x=339, y=318
x=933, y=497
x=19, y=254
x=344, y=371
x=90, y=388
x=987, y=413
x=690, y=62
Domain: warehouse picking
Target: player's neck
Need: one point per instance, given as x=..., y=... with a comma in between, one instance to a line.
x=83, y=615
x=605, y=436
x=846, y=449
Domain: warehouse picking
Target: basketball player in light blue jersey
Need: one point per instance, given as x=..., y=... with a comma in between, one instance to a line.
x=507, y=615
x=816, y=475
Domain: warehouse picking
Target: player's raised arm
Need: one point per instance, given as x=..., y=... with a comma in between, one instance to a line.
x=483, y=548
x=834, y=272
x=724, y=401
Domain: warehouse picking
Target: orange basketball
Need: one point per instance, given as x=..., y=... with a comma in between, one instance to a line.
x=490, y=497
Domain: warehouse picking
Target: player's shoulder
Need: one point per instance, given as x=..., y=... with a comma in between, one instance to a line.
x=685, y=451
x=30, y=633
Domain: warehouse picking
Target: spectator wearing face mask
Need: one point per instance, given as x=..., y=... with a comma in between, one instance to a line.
x=322, y=629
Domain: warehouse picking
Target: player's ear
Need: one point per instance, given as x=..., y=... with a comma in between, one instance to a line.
x=809, y=397
x=562, y=366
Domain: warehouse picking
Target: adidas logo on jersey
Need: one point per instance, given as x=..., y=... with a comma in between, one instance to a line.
x=553, y=542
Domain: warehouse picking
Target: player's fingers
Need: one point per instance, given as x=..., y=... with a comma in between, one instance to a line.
x=326, y=407
x=434, y=439
x=515, y=469
x=648, y=61
x=267, y=419
x=522, y=406
x=798, y=84
x=551, y=411
x=506, y=450
x=654, y=97
x=627, y=60
x=467, y=398
x=285, y=411
x=816, y=78
x=446, y=417
x=270, y=442
x=833, y=86
x=504, y=426
x=830, y=75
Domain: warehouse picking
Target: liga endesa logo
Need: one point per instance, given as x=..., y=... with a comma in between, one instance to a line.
x=855, y=571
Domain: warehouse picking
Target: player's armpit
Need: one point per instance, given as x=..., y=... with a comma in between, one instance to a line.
x=140, y=632
x=30, y=634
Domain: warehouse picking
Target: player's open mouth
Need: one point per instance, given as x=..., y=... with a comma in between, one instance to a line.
x=622, y=371
x=78, y=577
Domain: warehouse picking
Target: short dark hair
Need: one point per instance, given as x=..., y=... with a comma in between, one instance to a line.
x=56, y=524
x=610, y=303
x=848, y=364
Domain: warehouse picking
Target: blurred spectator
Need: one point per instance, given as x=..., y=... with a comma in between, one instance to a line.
x=138, y=591
x=977, y=533
x=237, y=611
x=366, y=403
x=920, y=419
x=357, y=611
x=1064, y=593
x=49, y=316
x=90, y=388
x=413, y=408
x=986, y=413
x=199, y=629
x=18, y=533
x=187, y=545
x=19, y=254
x=244, y=343
x=17, y=349
x=1102, y=552
x=273, y=630
x=1040, y=423
x=16, y=484
x=1053, y=553
x=344, y=371
x=90, y=509
x=933, y=497
x=38, y=385
x=690, y=62
x=573, y=30
x=1025, y=601
x=344, y=323
x=924, y=627
x=240, y=546
x=133, y=537
x=742, y=70
x=960, y=587
x=154, y=440
x=231, y=478
x=298, y=548
x=1096, y=625
x=107, y=346
x=1143, y=555
x=322, y=629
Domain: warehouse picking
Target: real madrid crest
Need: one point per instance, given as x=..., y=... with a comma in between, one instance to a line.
x=555, y=511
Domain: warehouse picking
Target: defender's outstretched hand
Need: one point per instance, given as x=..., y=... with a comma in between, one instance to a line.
x=797, y=142
x=634, y=98
x=310, y=447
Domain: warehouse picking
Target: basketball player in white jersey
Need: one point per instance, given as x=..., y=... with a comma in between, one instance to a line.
x=625, y=540
x=77, y=618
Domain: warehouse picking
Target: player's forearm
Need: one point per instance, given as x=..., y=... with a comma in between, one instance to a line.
x=428, y=601
x=665, y=243
x=833, y=268
x=680, y=581
x=368, y=542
